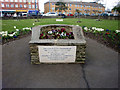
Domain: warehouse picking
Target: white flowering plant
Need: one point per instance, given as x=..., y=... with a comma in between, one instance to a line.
x=113, y=36
x=6, y=35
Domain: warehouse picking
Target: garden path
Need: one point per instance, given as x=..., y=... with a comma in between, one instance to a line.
x=100, y=70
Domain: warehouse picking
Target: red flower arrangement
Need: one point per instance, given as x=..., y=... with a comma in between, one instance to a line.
x=57, y=34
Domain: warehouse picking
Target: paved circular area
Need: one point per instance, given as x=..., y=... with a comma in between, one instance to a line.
x=100, y=70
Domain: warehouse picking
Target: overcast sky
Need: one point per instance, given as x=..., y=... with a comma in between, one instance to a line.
x=108, y=3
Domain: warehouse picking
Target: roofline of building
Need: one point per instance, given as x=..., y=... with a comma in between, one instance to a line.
x=94, y=3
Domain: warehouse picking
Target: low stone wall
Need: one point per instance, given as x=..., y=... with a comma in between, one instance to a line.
x=75, y=52
x=80, y=53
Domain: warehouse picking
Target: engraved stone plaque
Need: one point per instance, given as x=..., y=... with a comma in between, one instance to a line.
x=57, y=54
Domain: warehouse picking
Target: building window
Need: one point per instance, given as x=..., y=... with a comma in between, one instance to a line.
x=16, y=5
x=6, y=0
x=33, y=6
x=69, y=8
x=2, y=4
x=29, y=6
x=53, y=9
x=52, y=3
x=11, y=0
x=59, y=12
x=25, y=6
x=7, y=5
x=70, y=5
x=76, y=5
x=29, y=1
x=84, y=5
x=20, y=0
x=36, y=6
x=20, y=6
x=81, y=5
x=12, y=5
x=16, y=0
x=24, y=1
x=81, y=9
x=32, y=1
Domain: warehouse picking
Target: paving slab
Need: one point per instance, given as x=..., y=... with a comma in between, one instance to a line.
x=101, y=65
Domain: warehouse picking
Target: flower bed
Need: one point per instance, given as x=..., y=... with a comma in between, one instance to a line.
x=10, y=36
x=106, y=37
x=56, y=34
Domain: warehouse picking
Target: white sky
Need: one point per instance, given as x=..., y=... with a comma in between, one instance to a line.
x=109, y=4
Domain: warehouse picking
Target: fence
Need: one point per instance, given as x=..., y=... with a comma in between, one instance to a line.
x=41, y=17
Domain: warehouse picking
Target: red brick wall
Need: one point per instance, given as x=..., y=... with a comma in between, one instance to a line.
x=19, y=3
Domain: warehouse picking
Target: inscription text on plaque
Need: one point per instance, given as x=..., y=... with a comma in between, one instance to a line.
x=57, y=54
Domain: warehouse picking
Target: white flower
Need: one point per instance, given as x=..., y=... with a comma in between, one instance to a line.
x=14, y=33
x=94, y=28
x=30, y=28
x=89, y=29
x=85, y=28
x=50, y=32
x=62, y=34
x=94, y=31
x=33, y=24
x=99, y=29
x=23, y=28
x=15, y=27
x=11, y=35
x=57, y=33
x=117, y=31
x=27, y=28
x=77, y=25
x=1, y=32
x=4, y=33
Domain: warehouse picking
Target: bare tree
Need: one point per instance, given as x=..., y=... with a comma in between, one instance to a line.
x=78, y=12
x=61, y=6
x=98, y=11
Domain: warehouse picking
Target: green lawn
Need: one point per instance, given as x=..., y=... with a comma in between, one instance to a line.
x=8, y=25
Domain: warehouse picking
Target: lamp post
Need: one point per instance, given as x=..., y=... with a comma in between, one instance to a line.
x=35, y=8
x=1, y=13
x=49, y=5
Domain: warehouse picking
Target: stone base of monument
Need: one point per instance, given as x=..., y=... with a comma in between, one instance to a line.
x=57, y=50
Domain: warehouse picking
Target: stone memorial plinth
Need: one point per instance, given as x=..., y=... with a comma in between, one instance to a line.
x=57, y=50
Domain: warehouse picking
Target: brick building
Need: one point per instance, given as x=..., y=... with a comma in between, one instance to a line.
x=18, y=6
x=84, y=7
